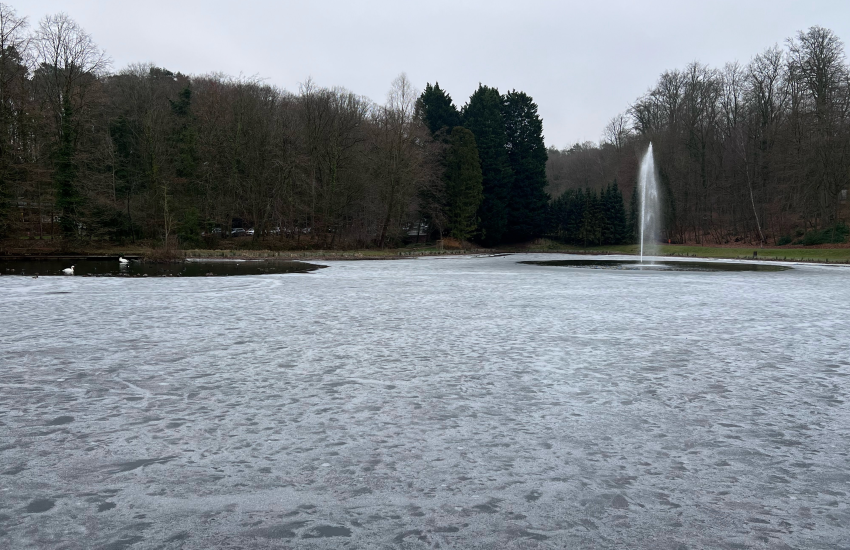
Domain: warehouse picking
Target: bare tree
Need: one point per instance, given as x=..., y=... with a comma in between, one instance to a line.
x=69, y=63
x=14, y=50
x=399, y=148
x=618, y=130
x=818, y=64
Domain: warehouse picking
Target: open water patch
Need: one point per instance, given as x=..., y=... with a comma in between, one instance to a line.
x=662, y=265
x=40, y=505
x=188, y=268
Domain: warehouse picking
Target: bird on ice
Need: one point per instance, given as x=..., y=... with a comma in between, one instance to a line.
x=68, y=270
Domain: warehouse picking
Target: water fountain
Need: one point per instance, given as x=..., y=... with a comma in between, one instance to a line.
x=649, y=206
x=650, y=233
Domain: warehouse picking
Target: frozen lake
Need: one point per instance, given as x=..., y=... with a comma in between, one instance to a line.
x=444, y=402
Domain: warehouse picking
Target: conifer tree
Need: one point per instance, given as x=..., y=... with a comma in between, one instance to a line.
x=588, y=220
x=483, y=116
x=634, y=218
x=527, y=155
x=597, y=217
x=575, y=211
x=606, y=208
x=621, y=222
x=437, y=110
x=618, y=216
x=463, y=184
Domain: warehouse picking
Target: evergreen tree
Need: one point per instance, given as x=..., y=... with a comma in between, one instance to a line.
x=483, y=116
x=437, y=110
x=463, y=184
x=606, y=207
x=575, y=212
x=566, y=214
x=556, y=212
x=588, y=218
x=634, y=218
x=527, y=155
x=591, y=230
x=618, y=216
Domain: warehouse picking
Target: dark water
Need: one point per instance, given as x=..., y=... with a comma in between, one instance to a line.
x=659, y=265
x=111, y=268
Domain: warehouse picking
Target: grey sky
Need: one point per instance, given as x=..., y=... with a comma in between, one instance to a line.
x=582, y=62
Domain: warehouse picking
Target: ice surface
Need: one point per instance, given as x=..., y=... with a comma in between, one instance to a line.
x=461, y=402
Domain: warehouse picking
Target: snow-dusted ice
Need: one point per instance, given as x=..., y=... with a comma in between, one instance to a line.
x=455, y=402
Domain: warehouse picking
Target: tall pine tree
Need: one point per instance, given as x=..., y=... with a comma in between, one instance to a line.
x=527, y=155
x=606, y=202
x=618, y=215
x=437, y=110
x=483, y=116
x=588, y=219
x=634, y=218
x=463, y=184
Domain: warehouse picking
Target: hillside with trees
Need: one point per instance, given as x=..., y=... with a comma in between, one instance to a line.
x=506, y=141
x=756, y=152
x=146, y=154
x=748, y=153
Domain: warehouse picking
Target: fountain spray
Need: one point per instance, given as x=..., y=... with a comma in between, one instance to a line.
x=649, y=211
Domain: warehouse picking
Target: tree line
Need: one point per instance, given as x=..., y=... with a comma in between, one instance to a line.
x=146, y=153
x=590, y=218
x=755, y=152
x=505, y=134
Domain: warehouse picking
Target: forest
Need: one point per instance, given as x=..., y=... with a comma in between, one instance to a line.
x=747, y=153
x=753, y=153
x=148, y=154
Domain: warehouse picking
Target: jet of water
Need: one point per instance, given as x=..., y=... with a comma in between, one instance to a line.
x=649, y=207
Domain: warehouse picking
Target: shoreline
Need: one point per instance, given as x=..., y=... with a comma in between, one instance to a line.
x=836, y=255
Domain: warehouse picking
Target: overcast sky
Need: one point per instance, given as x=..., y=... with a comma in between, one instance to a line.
x=582, y=62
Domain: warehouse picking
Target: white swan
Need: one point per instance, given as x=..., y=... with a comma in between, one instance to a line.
x=123, y=261
x=68, y=270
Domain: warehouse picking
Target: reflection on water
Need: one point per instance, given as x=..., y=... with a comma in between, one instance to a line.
x=111, y=268
x=671, y=265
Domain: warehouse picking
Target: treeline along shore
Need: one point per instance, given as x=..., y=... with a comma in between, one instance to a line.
x=148, y=154
x=751, y=152
x=91, y=156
